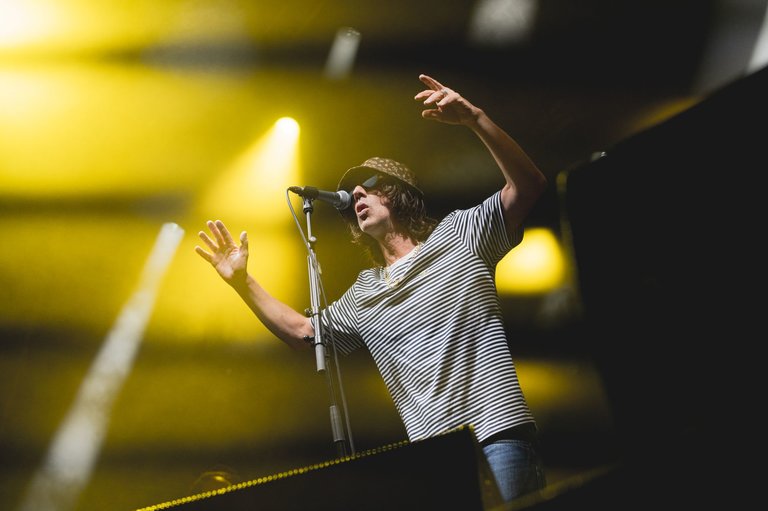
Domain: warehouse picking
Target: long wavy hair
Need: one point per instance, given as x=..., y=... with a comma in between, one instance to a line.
x=409, y=214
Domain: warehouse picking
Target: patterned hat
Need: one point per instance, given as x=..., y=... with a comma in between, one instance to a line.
x=371, y=166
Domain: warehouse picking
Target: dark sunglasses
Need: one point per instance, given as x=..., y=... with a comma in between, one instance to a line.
x=372, y=182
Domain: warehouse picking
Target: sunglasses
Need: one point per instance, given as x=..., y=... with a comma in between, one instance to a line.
x=372, y=182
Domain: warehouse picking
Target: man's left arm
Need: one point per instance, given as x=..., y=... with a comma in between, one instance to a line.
x=524, y=182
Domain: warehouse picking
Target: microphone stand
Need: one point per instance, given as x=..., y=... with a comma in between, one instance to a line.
x=318, y=340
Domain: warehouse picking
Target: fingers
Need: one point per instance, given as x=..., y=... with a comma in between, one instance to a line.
x=216, y=234
x=430, y=94
x=244, y=243
x=223, y=239
x=437, y=95
x=220, y=233
x=432, y=114
x=430, y=82
x=208, y=241
x=423, y=94
x=442, y=96
x=205, y=255
x=224, y=236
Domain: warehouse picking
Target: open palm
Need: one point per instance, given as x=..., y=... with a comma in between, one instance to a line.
x=229, y=259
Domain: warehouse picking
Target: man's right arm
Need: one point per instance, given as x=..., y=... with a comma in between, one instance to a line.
x=231, y=263
x=283, y=321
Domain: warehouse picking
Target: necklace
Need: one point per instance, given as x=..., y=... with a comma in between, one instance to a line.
x=386, y=272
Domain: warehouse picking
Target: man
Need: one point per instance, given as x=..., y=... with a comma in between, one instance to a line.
x=428, y=311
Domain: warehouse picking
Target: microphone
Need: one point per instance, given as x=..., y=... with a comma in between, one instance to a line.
x=341, y=200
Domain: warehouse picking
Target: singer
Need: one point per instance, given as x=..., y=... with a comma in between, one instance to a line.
x=427, y=309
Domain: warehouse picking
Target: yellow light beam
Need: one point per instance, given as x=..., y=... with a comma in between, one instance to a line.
x=253, y=189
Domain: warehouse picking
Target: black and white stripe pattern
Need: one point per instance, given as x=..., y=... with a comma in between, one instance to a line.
x=438, y=336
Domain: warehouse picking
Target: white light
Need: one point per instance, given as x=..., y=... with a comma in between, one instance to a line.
x=760, y=53
x=343, y=53
x=288, y=128
x=501, y=22
x=73, y=452
x=21, y=23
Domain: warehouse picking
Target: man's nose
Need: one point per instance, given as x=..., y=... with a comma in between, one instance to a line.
x=358, y=192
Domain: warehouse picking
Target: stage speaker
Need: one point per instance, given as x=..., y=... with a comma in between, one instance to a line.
x=667, y=231
x=448, y=471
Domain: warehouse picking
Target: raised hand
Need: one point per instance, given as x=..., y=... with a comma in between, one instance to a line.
x=447, y=105
x=229, y=260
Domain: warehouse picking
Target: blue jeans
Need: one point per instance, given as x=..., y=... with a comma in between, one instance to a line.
x=516, y=466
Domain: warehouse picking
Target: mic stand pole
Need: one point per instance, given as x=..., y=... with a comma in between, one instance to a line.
x=318, y=342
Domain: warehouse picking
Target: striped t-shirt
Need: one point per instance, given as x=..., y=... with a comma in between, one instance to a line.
x=436, y=331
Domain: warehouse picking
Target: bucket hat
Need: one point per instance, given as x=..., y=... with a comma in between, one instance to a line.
x=370, y=167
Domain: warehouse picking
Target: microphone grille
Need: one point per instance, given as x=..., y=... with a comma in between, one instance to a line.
x=346, y=199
